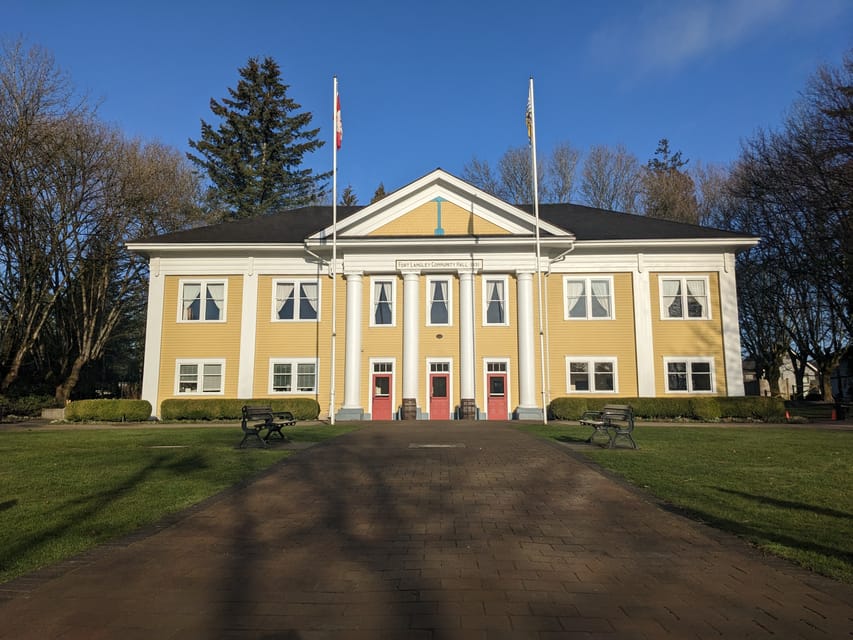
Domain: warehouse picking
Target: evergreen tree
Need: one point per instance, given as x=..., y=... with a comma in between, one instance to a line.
x=668, y=190
x=379, y=193
x=253, y=159
x=348, y=197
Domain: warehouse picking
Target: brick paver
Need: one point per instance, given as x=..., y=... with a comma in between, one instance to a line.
x=382, y=534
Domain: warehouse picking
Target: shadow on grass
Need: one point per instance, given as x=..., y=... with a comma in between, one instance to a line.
x=79, y=511
x=759, y=536
x=786, y=504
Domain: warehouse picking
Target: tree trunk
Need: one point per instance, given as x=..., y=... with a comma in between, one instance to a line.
x=63, y=391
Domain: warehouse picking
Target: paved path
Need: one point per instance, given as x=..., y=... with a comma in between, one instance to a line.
x=428, y=531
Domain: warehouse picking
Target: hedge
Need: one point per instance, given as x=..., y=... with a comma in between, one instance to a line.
x=25, y=405
x=108, y=411
x=232, y=409
x=708, y=408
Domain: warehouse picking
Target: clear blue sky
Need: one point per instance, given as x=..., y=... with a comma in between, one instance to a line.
x=432, y=84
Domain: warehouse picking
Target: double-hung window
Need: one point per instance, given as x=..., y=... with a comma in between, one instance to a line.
x=495, y=301
x=202, y=301
x=684, y=298
x=293, y=375
x=200, y=377
x=689, y=375
x=382, y=313
x=591, y=375
x=438, y=301
x=588, y=298
x=296, y=299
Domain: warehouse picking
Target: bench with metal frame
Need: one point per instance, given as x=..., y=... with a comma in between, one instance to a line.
x=614, y=421
x=256, y=419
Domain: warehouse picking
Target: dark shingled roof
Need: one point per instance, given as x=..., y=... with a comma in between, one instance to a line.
x=586, y=223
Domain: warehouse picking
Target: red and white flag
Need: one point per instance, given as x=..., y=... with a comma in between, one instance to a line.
x=339, y=126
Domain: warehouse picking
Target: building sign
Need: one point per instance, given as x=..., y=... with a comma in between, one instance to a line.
x=438, y=265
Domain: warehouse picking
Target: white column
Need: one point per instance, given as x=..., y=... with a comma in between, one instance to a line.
x=411, y=327
x=643, y=331
x=248, y=326
x=153, y=336
x=466, y=334
x=352, y=364
x=731, y=328
x=526, y=353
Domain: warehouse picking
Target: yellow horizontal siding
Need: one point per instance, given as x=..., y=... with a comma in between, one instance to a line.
x=382, y=342
x=200, y=340
x=455, y=221
x=691, y=338
x=613, y=338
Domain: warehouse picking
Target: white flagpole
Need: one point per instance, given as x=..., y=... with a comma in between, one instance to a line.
x=532, y=125
x=333, y=266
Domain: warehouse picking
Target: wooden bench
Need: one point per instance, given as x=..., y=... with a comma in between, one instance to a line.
x=256, y=419
x=614, y=421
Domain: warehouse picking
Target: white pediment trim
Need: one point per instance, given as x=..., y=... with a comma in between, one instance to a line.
x=440, y=184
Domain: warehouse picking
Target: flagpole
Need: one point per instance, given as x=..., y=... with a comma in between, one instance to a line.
x=532, y=132
x=334, y=264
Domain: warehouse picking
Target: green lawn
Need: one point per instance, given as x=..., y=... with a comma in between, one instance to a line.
x=64, y=491
x=787, y=491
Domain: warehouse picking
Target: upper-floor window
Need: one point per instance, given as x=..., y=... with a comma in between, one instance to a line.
x=689, y=375
x=296, y=299
x=200, y=377
x=588, y=298
x=596, y=375
x=495, y=301
x=438, y=301
x=684, y=298
x=383, y=303
x=202, y=301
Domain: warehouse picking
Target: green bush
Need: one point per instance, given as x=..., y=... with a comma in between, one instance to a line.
x=232, y=409
x=707, y=408
x=25, y=405
x=108, y=411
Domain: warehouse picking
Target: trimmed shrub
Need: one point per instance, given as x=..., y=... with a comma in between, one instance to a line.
x=706, y=409
x=108, y=411
x=232, y=408
x=25, y=405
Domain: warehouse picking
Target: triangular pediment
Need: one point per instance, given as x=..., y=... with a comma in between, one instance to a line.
x=441, y=205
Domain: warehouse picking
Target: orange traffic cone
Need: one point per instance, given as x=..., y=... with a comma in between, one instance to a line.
x=834, y=416
x=787, y=415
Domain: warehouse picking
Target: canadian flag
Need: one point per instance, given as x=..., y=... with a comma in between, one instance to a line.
x=339, y=126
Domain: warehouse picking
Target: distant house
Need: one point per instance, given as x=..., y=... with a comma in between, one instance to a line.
x=757, y=384
x=441, y=307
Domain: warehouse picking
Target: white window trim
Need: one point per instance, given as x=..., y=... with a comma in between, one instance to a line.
x=689, y=360
x=684, y=279
x=294, y=362
x=296, y=283
x=588, y=289
x=449, y=282
x=491, y=278
x=199, y=362
x=590, y=361
x=393, y=281
x=203, y=282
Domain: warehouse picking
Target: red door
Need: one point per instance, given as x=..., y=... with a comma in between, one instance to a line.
x=439, y=396
x=497, y=408
x=381, y=396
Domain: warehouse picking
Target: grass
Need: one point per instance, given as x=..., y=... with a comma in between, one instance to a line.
x=62, y=492
x=789, y=492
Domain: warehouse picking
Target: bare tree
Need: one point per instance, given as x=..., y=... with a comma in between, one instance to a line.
x=611, y=179
x=40, y=200
x=480, y=174
x=560, y=172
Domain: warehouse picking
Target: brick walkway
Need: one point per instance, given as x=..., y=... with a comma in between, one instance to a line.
x=428, y=531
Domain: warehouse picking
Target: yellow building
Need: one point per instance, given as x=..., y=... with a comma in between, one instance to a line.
x=437, y=302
